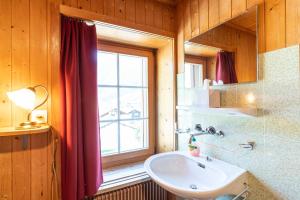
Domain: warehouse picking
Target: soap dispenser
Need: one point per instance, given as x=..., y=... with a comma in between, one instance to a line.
x=194, y=148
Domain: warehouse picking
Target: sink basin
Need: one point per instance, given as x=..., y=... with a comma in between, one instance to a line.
x=195, y=177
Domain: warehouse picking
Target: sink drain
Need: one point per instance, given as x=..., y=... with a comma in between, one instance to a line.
x=193, y=186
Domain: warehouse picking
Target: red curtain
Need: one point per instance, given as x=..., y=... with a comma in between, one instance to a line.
x=80, y=143
x=225, y=69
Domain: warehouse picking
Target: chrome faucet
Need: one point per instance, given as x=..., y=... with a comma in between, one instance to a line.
x=208, y=131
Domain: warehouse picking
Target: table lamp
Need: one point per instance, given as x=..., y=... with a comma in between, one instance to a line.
x=26, y=99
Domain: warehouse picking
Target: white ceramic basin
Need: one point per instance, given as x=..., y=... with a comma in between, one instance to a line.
x=195, y=177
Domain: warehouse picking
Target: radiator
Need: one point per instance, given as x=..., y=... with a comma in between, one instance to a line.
x=143, y=191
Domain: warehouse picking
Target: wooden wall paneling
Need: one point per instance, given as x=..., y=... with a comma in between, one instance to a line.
x=73, y=3
x=120, y=9
x=165, y=100
x=38, y=75
x=224, y=37
x=129, y=13
x=238, y=7
x=6, y=168
x=24, y=60
x=97, y=6
x=261, y=28
x=130, y=10
x=251, y=3
x=38, y=46
x=246, y=67
x=195, y=17
x=39, y=167
x=20, y=79
x=140, y=17
x=292, y=22
x=149, y=12
x=79, y=13
x=55, y=120
x=225, y=10
x=180, y=39
x=211, y=68
x=187, y=20
x=109, y=7
x=173, y=19
x=167, y=18
x=275, y=24
x=203, y=15
x=21, y=169
x=84, y=4
x=20, y=52
x=213, y=10
x=158, y=16
x=5, y=63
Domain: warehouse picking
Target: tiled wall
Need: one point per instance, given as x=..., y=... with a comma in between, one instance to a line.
x=274, y=165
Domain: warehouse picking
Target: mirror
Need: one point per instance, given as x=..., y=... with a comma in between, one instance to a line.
x=226, y=54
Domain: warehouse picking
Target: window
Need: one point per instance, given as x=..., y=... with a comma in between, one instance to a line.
x=193, y=75
x=124, y=97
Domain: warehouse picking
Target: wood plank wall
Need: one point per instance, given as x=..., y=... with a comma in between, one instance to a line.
x=25, y=161
x=165, y=99
x=29, y=55
x=278, y=20
x=147, y=15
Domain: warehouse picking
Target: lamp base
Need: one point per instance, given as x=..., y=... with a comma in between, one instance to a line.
x=28, y=125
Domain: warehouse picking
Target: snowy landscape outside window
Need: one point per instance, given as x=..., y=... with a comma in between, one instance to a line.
x=123, y=102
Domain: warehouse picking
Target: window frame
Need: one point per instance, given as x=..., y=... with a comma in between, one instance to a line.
x=136, y=155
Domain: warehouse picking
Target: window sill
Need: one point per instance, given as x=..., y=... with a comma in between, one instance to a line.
x=123, y=176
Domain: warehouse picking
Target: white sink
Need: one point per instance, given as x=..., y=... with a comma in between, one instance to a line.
x=195, y=177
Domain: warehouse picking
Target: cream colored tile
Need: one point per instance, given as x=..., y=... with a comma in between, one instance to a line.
x=282, y=95
x=282, y=111
x=237, y=130
x=228, y=95
x=282, y=167
x=281, y=65
x=250, y=95
x=284, y=124
x=274, y=164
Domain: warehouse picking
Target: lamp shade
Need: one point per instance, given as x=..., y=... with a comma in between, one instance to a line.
x=24, y=98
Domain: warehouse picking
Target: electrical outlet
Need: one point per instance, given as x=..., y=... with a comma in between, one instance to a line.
x=39, y=116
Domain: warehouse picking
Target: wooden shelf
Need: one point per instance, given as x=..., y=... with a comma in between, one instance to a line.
x=12, y=131
x=241, y=112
